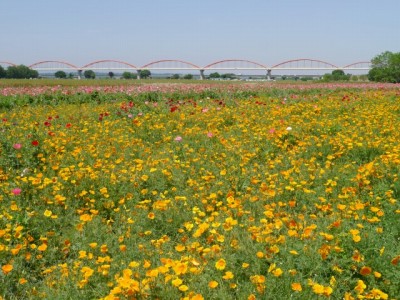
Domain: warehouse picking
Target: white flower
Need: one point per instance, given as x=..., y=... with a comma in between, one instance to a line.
x=289, y=128
x=25, y=172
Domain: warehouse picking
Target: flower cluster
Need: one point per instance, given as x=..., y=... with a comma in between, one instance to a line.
x=250, y=198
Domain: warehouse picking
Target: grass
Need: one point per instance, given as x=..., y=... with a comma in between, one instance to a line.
x=124, y=82
x=221, y=195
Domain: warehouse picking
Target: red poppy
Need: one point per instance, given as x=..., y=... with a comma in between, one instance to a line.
x=35, y=143
x=47, y=124
x=68, y=125
x=173, y=108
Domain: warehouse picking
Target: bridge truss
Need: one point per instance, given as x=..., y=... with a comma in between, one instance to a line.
x=236, y=66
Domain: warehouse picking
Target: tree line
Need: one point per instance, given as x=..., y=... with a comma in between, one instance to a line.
x=385, y=67
x=18, y=72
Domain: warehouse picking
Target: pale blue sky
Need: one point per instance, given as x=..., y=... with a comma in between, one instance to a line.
x=198, y=31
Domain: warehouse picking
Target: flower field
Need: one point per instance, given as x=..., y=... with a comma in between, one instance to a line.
x=200, y=192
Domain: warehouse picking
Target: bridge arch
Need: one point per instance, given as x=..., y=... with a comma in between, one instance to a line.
x=6, y=63
x=177, y=61
x=69, y=65
x=360, y=64
x=110, y=61
x=240, y=61
x=304, y=61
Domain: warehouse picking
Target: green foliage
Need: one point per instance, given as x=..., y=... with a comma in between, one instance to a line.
x=3, y=72
x=188, y=76
x=89, y=74
x=20, y=72
x=111, y=74
x=228, y=76
x=144, y=74
x=385, y=67
x=336, y=75
x=214, y=75
x=175, y=76
x=60, y=74
x=354, y=78
x=363, y=77
x=129, y=75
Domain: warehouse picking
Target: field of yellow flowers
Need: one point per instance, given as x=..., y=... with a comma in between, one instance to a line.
x=254, y=195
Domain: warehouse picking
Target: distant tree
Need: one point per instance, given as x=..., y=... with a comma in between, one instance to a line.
x=89, y=74
x=228, y=76
x=70, y=75
x=214, y=75
x=327, y=77
x=129, y=75
x=111, y=74
x=60, y=74
x=34, y=74
x=175, y=76
x=145, y=74
x=284, y=77
x=188, y=76
x=20, y=72
x=126, y=75
x=3, y=72
x=336, y=75
x=385, y=67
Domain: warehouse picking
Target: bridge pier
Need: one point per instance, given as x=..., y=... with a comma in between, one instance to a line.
x=79, y=74
x=268, y=74
x=202, y=77
x=138, y=74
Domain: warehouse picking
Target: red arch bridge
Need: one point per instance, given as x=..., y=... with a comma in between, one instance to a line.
x=302, y=65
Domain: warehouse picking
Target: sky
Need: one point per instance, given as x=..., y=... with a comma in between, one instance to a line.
x=199, y=31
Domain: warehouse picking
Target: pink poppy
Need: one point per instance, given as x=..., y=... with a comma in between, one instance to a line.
x=17, y=146
x=16, y=191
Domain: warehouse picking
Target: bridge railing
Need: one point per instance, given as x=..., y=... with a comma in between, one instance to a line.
x=175, y=65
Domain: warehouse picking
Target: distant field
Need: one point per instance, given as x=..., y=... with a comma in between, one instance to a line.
x=104, y=82
x=113, y=189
